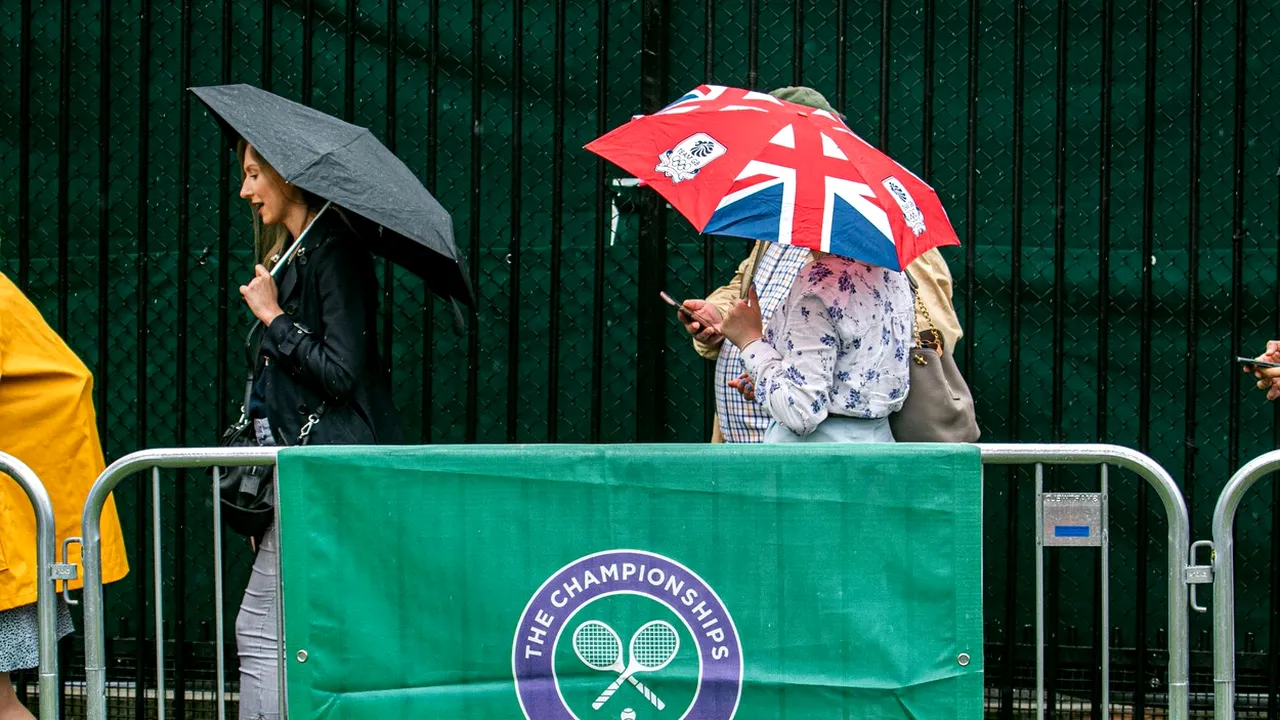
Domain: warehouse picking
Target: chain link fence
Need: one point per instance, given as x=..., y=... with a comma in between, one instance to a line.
x=1111, y=169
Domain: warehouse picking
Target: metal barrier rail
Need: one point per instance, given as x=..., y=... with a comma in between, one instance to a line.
x=46, y=590
x=1224, y=587
x=992, y=454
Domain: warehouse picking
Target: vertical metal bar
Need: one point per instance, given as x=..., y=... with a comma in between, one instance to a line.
x=1145, y=328
x=753, y=47
x=477, y=118
x=24, y=147
x=926, y=111
x=1193, y=258
x=224, y=235
x=1237, y=224
x=1010, y=593
x=143, y=304
x=709, y=40
x=180, y=369
x=308, y=52
x=219, y=630
x=64, y=163
x=388, y=268
x=651, y=370
x=266, y=46
x=886, y=65
x=516, y=221
x=1015, y=279
x=1059, y=319
x=1060, y=226
x=709, y=279
x=1015, y=319
x=1104, y=215
x=433, y=132
x=797, y=45
x=602, y=210
x=1039, y=530
x=157, y=559
x=842, y=50
x=102, y=373
x=349, y=62
x=971, y=189
x=95, y=651
x=1104, y=632
x=557, y=225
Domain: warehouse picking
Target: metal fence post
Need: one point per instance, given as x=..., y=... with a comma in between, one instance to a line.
x=1224, y=588
x=46, y=593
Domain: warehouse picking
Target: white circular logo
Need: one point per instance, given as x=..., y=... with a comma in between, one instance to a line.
x=627, y=634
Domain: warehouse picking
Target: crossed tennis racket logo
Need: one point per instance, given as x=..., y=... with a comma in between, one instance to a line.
x=651, y=649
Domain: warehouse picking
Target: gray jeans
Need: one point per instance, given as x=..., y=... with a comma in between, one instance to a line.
x=257, y=637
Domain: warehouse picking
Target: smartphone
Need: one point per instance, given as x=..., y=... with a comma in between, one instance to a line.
x=1251, y=362
x=677, y=304
x=680, y=308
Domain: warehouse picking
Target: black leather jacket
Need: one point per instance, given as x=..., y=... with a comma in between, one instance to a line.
x=324, y=349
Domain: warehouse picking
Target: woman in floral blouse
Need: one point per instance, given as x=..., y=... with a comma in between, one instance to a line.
x=833, y=364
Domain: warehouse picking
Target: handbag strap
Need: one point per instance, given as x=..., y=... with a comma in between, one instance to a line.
x=929, y=337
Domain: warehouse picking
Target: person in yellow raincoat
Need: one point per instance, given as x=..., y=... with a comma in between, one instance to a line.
x=46, y=421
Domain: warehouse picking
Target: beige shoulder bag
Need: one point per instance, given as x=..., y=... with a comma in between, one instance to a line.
x=939, y=407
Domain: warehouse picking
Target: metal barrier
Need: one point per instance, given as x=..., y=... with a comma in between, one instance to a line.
x=1180, y=573
x=1224, y=588
x=46, y=592
x=1179, y=548
x=94, y=631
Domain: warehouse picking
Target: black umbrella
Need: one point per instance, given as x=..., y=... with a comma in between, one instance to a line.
x=345, y=164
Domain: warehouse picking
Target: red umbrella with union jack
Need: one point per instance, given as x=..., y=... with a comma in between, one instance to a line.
x=746, y=164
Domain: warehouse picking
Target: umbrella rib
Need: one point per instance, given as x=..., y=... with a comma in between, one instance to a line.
x=363, y=132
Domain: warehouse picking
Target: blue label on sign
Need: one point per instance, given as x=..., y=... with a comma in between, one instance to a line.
x=1078, y=531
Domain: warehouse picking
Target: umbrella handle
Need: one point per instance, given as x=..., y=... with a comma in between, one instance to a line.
x=284, y=259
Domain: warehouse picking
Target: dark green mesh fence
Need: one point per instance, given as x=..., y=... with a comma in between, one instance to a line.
x=1110, y=167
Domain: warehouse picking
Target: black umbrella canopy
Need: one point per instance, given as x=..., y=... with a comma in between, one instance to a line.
x=345, y=163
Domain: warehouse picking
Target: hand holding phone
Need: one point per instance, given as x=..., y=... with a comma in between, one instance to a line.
x=707, y=330
x=1255, y=363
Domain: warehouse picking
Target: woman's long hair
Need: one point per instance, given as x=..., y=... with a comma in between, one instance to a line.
x=269, y=240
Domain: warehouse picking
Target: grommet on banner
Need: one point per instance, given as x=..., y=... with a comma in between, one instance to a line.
x=302, y=656
x=963, y=659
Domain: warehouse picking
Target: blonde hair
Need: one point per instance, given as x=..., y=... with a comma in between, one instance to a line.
x=269, y=240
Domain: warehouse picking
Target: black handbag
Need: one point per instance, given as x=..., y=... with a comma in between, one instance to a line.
x=247, y=493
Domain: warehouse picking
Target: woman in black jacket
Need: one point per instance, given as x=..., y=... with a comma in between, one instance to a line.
x=317, y=374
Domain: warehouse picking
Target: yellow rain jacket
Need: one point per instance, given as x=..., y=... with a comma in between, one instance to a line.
x=46, y=421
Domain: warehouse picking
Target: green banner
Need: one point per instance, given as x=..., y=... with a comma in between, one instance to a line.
x=633, y=582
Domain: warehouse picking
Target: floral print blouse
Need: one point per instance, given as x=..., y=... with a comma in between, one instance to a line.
x=837, y=346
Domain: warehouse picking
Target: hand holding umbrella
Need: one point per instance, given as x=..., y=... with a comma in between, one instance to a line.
x=261, y=296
